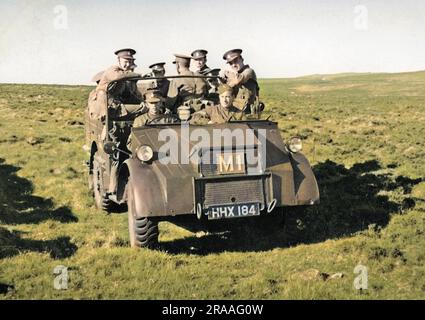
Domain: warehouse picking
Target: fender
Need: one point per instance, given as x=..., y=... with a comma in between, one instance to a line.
x=294, y=182
x=149, y=194
x=305, y=183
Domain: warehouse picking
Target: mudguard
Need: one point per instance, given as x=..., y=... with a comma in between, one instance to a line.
x=149, y=196
x=294, y=182
x=306, y=188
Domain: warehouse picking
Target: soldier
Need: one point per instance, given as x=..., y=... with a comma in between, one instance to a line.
x=162, y=85
x=213, y=84
x=200, y=59
x=124, y=67
x=222, y=113
x=124, y=91
x=243, y=79
x=154, y=114
x=185, y=90
x=119, y=93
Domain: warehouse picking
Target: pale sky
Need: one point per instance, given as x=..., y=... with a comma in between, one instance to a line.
x=67, y=42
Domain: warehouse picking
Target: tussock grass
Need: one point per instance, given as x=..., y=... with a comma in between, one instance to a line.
x=364, y=135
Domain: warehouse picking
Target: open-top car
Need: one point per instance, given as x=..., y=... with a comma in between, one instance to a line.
x=209, y=172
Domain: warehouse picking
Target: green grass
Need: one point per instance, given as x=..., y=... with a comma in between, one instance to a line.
x=363, y=133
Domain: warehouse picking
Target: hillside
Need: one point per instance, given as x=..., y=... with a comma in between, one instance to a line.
x=363, y=134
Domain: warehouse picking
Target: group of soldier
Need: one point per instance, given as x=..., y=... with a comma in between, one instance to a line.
x=201, y=95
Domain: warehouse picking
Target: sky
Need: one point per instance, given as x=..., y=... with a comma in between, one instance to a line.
x=67, y=42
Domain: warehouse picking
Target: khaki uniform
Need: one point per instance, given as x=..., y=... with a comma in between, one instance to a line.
x=217, y=114
x=183, y=89
x=145, y=118
x=120, y=91
x=205, y=70
x=245, y=83
x=112, y=74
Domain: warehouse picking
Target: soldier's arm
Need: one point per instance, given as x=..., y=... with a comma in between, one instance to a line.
x=172, y=95
x=241, y=78
x=204, y=113
x=115, y=73
x=201, y=117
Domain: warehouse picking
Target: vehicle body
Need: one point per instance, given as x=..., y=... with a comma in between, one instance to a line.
x=232, y=186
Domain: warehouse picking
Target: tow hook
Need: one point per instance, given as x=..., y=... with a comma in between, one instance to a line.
x=199, y=211
x=271, y=205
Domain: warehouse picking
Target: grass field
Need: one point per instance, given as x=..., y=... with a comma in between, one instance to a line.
x=364, y=135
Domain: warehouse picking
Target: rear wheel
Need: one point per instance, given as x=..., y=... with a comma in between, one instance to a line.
x=100, y=198
x=143, y=232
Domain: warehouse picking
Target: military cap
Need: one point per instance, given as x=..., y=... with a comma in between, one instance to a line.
x=231, y=55
x=224, y=88
x=96, y=78
x=153, y=96
x=199, y=54
x=181, y=57
x=157, y=66
x=126, y=53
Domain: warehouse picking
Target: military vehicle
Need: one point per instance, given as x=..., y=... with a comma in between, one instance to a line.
x=230, y=178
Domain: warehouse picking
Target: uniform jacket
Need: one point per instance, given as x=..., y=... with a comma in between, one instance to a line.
x=158, y=119
x=183, y=89
x=246, y=86
x=205, y=70
x=218, y=114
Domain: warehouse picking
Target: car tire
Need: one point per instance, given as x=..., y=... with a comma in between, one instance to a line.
x=100, y=198
x=144, y=231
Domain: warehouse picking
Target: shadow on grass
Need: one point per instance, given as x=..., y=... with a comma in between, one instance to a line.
x=351, y=201
x=19, y=206
x=12, y=244
x=6, y=288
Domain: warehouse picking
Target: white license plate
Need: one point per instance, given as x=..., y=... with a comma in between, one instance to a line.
x=233, y=211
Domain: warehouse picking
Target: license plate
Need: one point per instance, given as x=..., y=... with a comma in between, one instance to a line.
x=233, y=211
